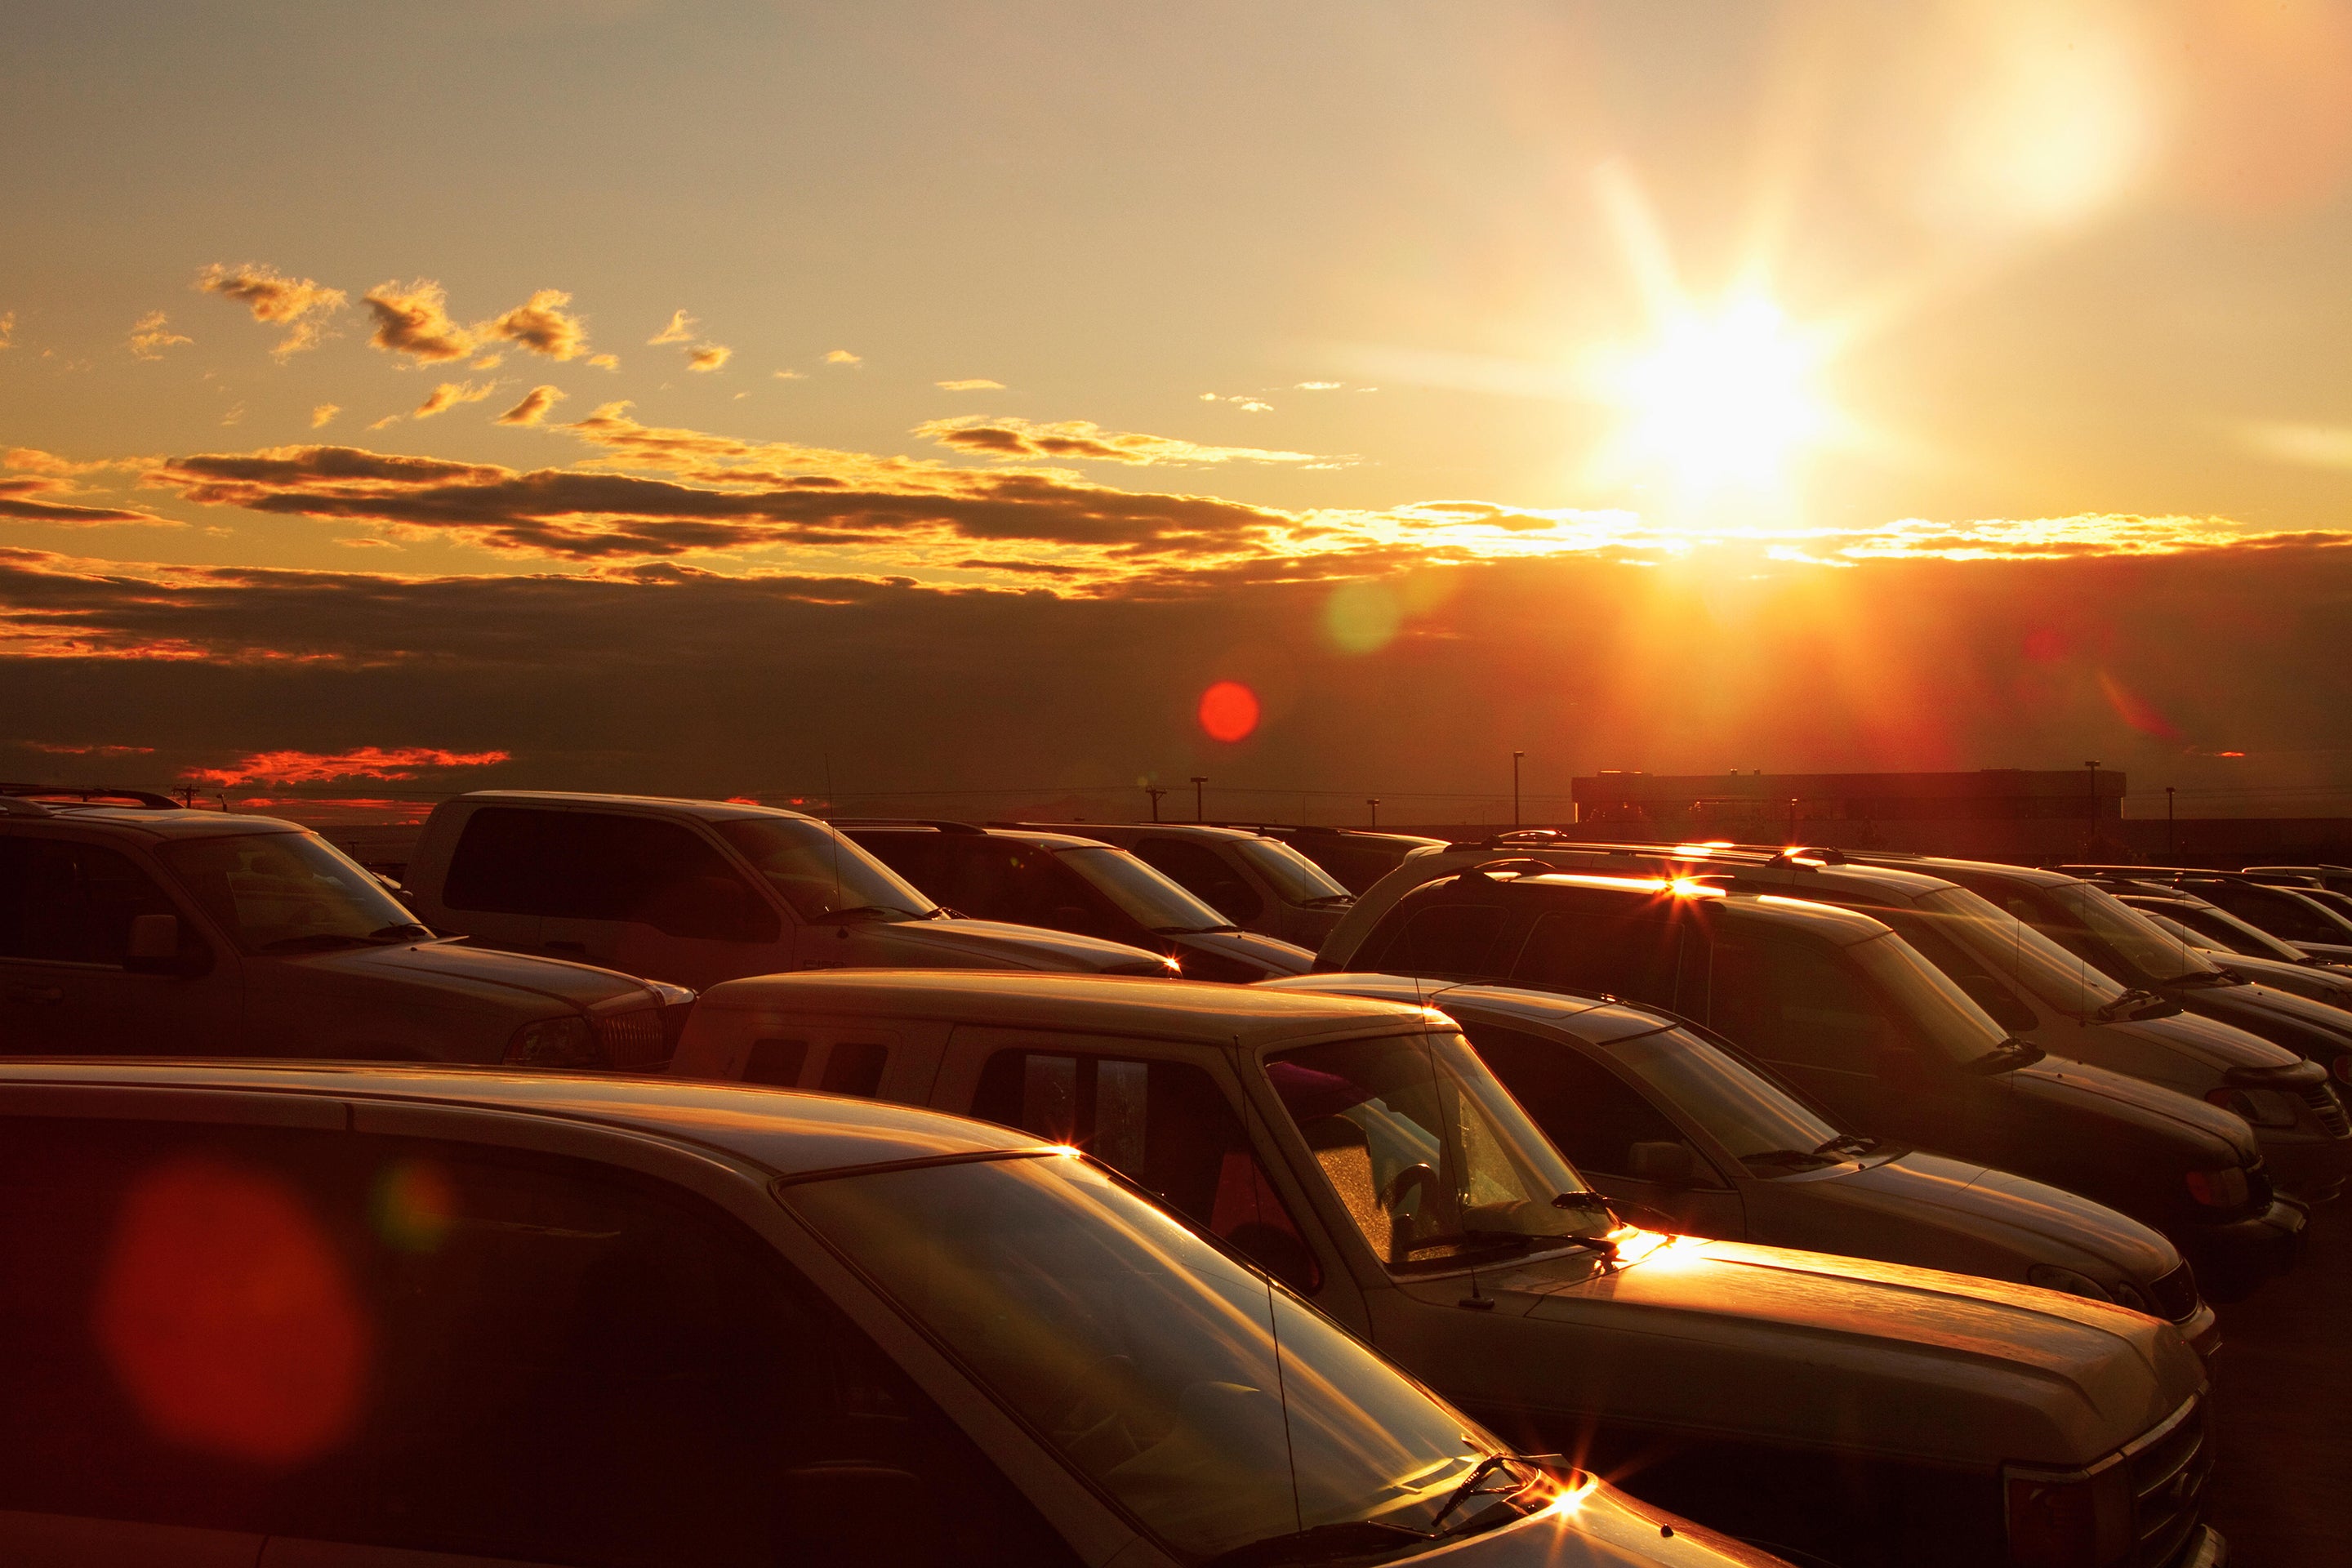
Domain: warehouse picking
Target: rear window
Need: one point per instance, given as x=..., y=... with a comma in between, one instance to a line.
x=1441, y=939
x=1634, y=957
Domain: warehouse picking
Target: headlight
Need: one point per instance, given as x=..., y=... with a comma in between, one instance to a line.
x=2127, y=1294
x=2050, y=1277
x=2342, y=1067
x=2262, y=1107
x=565, y=1042
x=2079, y=1519
x=2218, y=1189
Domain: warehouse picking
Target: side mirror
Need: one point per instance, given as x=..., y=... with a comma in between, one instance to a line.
x=154, y=947
x=1070, y=918
x=2000, y=1004
x=1664, y=1162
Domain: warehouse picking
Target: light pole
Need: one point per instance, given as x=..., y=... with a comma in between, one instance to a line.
x=1792, y=819
x=2169, y=852
x=1376, y=811
x=1155, y=792
x=1515, y=787
x=2091, y=846
x=1197, y=781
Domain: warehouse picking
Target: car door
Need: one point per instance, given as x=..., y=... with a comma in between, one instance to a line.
x=298, y=1346
x=1168, y=1125
x=1594, y=1117
x=652, y=898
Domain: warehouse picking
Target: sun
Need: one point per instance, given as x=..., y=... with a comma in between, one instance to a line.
x=1723, y=401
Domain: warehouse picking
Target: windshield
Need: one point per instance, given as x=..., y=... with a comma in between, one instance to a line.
x=2015, y=951
x=1294, y=878
x=289, y=892
x=1740, y=1110
x=820, y=872
x=1431, y=1155
x=1944, y=1015
x=1216, y=1407
x=2141, y=945
x=1142, y=892
x=2212, y=925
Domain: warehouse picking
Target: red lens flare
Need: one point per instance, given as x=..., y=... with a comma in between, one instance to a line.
x=1228, y=711
x=227, y=1318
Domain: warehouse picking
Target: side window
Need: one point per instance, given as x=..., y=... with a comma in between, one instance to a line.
x=1168, y=1128
x=1441, y=939
x=601, y=867
x=69, y=903
x=495, y=868
x=855, y=1067
x=1635, y=959
x=1791, y=1002
x=777, y=1062
x=417, y=1345
x=1593, y=1115
x=1204, y=874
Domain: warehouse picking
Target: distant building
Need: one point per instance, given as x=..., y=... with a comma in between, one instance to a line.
x=1997, y=811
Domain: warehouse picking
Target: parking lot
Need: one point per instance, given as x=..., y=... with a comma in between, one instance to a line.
x=2282, y=1388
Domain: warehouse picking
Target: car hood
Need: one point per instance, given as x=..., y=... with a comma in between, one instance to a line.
x=2062, y=1081
x=961, y=943
x=2027, y=1216
x=1877, y=1358
x=2251, y=1007
x=2277, y=974
x=2215, y=1042
x=456, y=966
x=1597, y=1526
x=1274, y=955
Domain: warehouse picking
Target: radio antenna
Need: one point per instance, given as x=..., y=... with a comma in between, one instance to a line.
x=831, y=810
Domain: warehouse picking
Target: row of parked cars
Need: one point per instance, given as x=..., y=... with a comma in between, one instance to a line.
x=1856, y=1211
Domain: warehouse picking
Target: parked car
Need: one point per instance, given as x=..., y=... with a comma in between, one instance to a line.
x=344, y=1318
x=2291, y=914
x=1067, y=883
x=128, y=923
x=1257, y=882
x=2266, y=961
x=1354, y=857
x=2334, y=878
x=2037, y=990
x=1683, y=1132
x=1869, y=1414
x=696, y=891
x=1839, y=1004
x=2087, y=919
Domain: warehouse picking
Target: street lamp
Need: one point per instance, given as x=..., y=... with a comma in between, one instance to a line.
x=1515, y=787
x=1197, y=781
x=2169, y=852
x=1376, y=811
x=1155, y=792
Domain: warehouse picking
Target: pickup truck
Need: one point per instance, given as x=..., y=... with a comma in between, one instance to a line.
x=696, y=891
x=1861, y=1414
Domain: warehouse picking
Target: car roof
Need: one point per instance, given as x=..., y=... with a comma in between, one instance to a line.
x=1903, y=882
x=784, y=1131
x=157, y=822
x=1175, y=829
x=1195, y=1012
x=1035, y=836
x=709, y=810
x=1844, y=926
x=1952, y=869
x=1587, y=1018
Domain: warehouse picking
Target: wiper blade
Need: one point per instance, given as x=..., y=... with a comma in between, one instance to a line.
x=1794, y=1158
x=1328, y=899
x=868, y=912
x=406, y=930
x=2010, y=1053
x=1470, y=1488
x=1322, y=1543
x=1848, y=1143
x=317, y=941
x=2137, y=996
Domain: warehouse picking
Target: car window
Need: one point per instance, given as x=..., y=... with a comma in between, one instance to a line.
x=1005, y=880
x=1438, y=939
x=1293, y=876
x=1634, y=957
x=69, y=902
x=2280, y=911
x=1168, y=1127
x=1203, y=873
x=495, y=868
x=287, y=892
x=854, y=1067
x=600, y=866
x=412, y=1344
x=1589, y=1112
x=1794, y=1002
x=1144, y=894
x=820, y=871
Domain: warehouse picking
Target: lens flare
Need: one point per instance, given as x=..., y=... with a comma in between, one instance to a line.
x=413, y=1204
x=1229, y=711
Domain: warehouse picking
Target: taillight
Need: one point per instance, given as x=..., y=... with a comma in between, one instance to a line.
x=2080, y=1519
x=2218, y=1189
x=565, y=1042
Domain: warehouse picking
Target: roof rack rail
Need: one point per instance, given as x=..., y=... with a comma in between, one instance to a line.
x=91, y=794
x=945, y=825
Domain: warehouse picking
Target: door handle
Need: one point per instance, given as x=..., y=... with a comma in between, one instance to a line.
x=22, y=993
x=578, y=948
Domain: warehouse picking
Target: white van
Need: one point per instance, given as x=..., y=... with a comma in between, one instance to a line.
x=696, y=891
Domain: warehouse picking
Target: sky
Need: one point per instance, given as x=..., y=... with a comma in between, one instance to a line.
x=934, y=404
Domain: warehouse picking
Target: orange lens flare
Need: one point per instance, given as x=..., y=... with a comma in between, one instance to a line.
x=227, y=1318
x=1229, y=711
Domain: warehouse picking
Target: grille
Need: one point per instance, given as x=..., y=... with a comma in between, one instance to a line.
x=632, y=1040
x=2174, y=1297
x=2321, y=1097
x=2169, y=1472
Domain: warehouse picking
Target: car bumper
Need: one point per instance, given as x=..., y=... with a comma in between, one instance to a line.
x=2207, y=1549
x=2202, y=1329
x=2231, y=1259
x=2310, y=1167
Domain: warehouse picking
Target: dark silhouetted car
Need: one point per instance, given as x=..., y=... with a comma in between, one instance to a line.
x=1063, y=882
x=1257, y=882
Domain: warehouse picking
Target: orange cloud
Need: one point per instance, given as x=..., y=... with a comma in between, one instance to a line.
x=681, y=328
x=533, y=408
x=450, y=394
x=297, y=303
x=977, y=384
x=20, y=500
x=543, y=326
x=152, y=333
x=708, y=356
x=1084, y=439
x=414, y=320
x=60, y=748
x=313, y=767
x=7, y=327
x=323, y=413
x=606, y=361
x=843, y=356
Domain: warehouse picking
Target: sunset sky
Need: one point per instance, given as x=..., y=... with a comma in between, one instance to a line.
x=939, y=399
